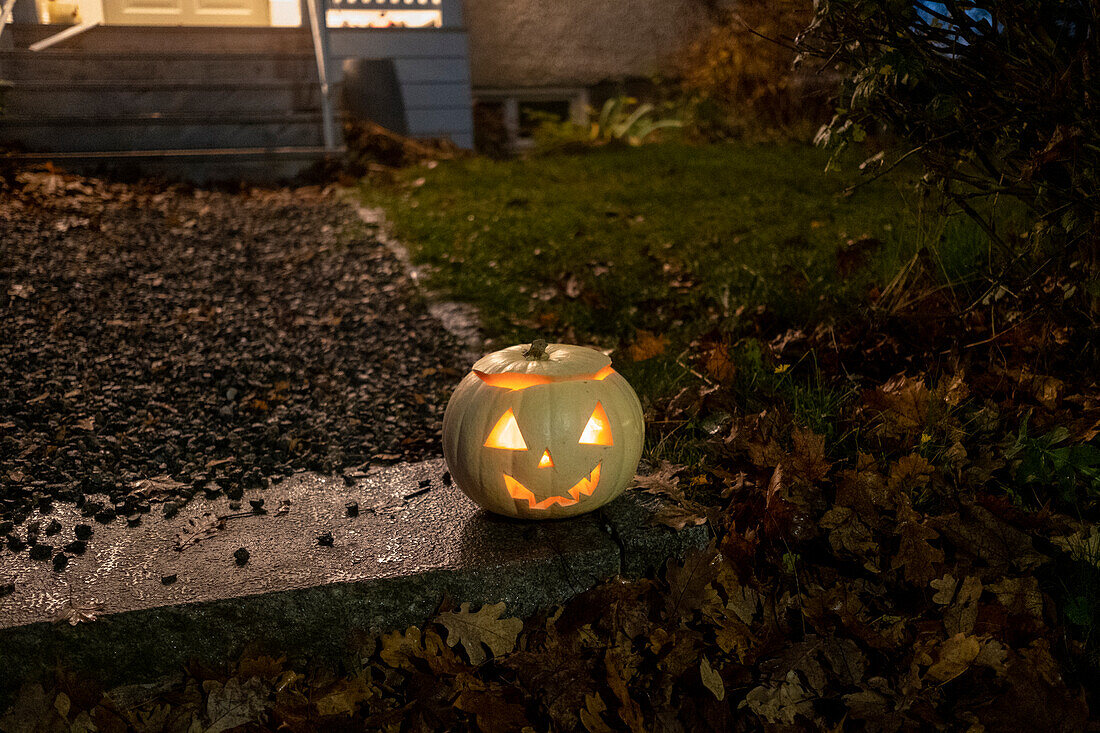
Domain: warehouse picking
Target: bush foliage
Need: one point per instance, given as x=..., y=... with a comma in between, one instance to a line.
x=997, y=98
x=741, y=70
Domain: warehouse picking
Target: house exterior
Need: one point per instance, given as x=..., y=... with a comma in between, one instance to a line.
x=176, y=83
x=569, y=54
x=223, y=88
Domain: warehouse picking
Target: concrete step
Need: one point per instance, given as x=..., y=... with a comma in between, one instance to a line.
x=56, y=65
x=416, y=540
x=256, y=165
x=171, y=39
x=62, y=134
x=107, y=98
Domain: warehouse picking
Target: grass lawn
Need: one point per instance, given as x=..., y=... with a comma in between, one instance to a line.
x=660, y=238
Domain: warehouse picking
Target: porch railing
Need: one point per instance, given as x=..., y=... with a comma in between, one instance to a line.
x=318, y=27
x=5, y=15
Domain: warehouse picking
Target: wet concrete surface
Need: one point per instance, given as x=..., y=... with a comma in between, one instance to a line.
x=143, y=600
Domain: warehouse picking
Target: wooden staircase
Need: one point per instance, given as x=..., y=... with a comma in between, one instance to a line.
x=198, y=104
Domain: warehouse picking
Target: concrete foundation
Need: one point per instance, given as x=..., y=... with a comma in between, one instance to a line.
x=142, y=600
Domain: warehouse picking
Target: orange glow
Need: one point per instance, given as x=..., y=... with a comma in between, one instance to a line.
x=598, y=429
x=546, y=461
x=584, y=487
x=516, y=381
x=506, y=434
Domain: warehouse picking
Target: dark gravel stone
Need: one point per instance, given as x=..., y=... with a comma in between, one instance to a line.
x=257, y=506
x=133, y=520
x=16, y=544
x=6, y=527
x=168, y=579
x=53, y=528
x=241, y=555
x=41, y=552
x=325, y=539
x=60, y=561
x=171, y=509
x=6, y=589
x=133, y=314
x=352, y=508
x=76, y=547
x=83, y=531
x=106, y=516
x=447, y=478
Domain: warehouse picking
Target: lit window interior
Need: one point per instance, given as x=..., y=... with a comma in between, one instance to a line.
x=365, y=13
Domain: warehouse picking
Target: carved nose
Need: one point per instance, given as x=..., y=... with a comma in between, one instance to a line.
x=546, y=461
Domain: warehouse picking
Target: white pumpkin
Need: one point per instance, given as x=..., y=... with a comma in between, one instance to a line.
x=543, y=431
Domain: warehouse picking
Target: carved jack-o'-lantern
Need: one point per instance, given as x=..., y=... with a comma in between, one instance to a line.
x=543, y=431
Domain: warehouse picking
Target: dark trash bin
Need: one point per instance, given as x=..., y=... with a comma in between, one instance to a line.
x=372, y=92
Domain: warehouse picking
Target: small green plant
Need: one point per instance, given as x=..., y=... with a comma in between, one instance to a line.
x=1052, y=462
x=623, y=120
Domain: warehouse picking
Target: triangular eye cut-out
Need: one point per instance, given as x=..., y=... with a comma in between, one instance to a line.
x=506, y=434
x=598, y=429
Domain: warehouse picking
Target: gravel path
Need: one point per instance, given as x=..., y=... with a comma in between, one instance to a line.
x=204, y=340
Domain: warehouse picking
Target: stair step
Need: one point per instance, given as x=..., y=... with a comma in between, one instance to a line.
x=107, y=98
x=259, y=165
x=52, y=134
x=53, y=65
x=172, y=39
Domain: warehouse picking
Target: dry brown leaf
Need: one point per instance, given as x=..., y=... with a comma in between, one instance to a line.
x=955, y=656
x=902, y=404
x=718, y=364
x=1020, y=596
x=663, y=480
x=711, y=679
x=850, y=537
x=647, y=345
x=493, y=713
x=916, y=557
x=485, y=627
x=677, y=516
x=807, y=459
x=980, y=533
x=592, y=714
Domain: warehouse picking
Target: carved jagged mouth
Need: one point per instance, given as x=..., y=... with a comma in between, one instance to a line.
x=584, y=487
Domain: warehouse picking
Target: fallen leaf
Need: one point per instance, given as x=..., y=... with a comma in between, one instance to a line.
x=591, y=714
x=646, y=346
x=1020, y=596
x=663, y=480
x=711, y=679
x=677, y=517
x=955, y=657
x=485, y=627
x=234, y=703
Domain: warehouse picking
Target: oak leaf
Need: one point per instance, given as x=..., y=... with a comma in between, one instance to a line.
x=485, y=628
x=677, y=516
x=955, y=656
x=234, y=704
x=662, y=480
x=1020, y=596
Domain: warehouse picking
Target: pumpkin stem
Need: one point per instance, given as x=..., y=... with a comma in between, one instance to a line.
x=537, y=351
